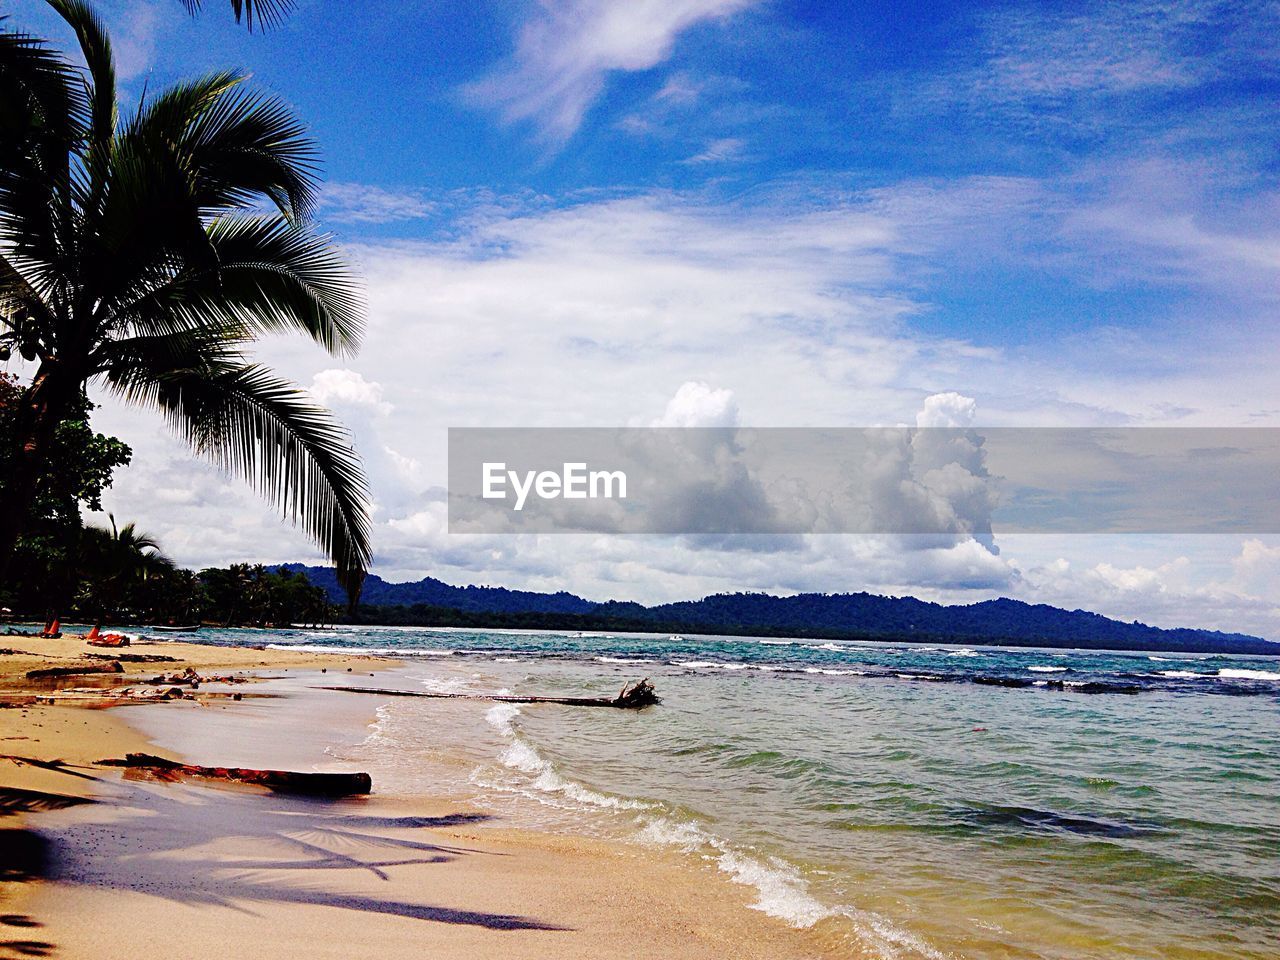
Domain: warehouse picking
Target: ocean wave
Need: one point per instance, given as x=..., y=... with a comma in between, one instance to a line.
x=831, y=672
x=522, y=756
x=782, y=892
x=623, y=660
x=1227, y=674
x=362, y=651
x=964, y=653
x=709, y=665
x=1037, y=668
x=1183, y=674
x=443, y=684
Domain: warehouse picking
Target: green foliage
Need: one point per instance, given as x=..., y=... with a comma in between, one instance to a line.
x=244, y=595
x=81, y=463
x=113, y=565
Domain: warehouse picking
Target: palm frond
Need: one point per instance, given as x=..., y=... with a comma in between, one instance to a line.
x=96, y=47
x=236, y=146
x=44, y=113
x=260, y=427
x=269, y=13
x=269, y=276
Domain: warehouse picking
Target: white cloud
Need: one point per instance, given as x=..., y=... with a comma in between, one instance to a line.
x=135, y=26
x=1182, y=591
x=723, y=150
x=347, y=388
x=567, y=49
x=366, y=203
x=696, y=404
x=1048, y=56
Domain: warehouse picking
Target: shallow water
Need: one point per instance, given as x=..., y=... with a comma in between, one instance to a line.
x=917, y=802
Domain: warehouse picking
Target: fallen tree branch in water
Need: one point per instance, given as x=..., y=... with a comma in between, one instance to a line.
x=636, y=697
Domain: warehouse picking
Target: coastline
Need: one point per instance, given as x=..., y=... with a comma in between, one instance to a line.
x=159, y=868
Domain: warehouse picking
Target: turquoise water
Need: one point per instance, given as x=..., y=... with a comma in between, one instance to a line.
x=908, y=801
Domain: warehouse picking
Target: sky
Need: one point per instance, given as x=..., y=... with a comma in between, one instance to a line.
x=730, y=212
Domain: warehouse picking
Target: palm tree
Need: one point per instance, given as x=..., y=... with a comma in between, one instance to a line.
x=113, y=561
x=145, y=253
x=268, y=12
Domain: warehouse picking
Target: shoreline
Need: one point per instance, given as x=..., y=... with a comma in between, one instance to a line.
x=157, y=867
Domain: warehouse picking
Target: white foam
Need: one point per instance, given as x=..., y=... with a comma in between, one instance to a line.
x=828, y=672
x=445, y=685
x=622, y=660
x=361, y=651
x=1185, y=674
x=522, y=756
x=500, y=717
x=1041, y=669
x=1248, y=675
x=964, y=653
x=782, y=892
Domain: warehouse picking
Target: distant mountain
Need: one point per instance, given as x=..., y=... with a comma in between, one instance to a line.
x=431, y=602
x=435, y=593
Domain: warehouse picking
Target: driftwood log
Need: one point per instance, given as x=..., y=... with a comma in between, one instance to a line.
x=282, y=781
x=634, y=697
x=108, y=666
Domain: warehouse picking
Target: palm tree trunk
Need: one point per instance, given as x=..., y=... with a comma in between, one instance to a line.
x=43, y=407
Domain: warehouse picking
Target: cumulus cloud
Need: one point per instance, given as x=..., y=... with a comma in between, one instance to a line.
x=566, y=50
x=696, y=404
x=1165, y=591
x=347, y=388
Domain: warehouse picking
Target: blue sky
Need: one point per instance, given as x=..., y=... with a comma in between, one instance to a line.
x=775, y=214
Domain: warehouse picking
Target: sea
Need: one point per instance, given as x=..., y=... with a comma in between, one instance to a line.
x=914, y=801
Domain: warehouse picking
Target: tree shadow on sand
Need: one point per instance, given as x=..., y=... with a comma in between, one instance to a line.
x=158, y=840
x=24, y=856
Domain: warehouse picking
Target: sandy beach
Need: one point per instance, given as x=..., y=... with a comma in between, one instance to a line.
x=100, y=865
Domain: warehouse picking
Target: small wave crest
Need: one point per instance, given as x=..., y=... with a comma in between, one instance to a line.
x=1228, y=674
x=782, y=892
x=361, y=651
x=522, y=756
